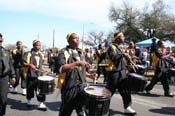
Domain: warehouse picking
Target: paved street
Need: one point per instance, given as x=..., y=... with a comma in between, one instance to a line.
x=153, y=105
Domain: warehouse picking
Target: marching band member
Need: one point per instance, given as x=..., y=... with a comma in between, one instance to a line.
x=17, y=55
x=6, y=71
x=160, y=65
x=131, y=50
x=33, y=61
x=117, y=70
x=71, y=62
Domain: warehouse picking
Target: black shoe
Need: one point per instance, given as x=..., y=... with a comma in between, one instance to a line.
x=169, y=94
x=148, y=92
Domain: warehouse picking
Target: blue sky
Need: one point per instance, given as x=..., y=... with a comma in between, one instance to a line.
x=27, y=20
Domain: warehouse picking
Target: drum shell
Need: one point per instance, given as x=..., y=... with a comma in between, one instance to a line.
x=140, y=69
x=97, y=105
x=46, y=87
x=134, y=84
x=171, y=75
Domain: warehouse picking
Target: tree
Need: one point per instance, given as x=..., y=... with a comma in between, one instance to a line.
x=138, y=25
x=95, y=38
x=126, y=19
x=151, y=20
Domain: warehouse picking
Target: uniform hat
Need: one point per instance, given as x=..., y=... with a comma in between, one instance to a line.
x=69, y=35
x=116, y=36
x=35, y=41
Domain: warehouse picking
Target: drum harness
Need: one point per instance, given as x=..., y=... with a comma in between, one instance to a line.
x=61, y=78
x=39, y=70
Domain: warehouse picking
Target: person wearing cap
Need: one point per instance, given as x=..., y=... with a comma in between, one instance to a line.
x=33, y=61
x=117, y=69
x=17, y=55
x=71, y=63
x=6, y=71
x=161, y=67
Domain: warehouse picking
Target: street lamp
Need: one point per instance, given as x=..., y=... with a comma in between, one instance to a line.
x=83, y=35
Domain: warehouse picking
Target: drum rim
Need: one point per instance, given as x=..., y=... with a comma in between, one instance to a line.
x=98, y=97
x=139, y=75
x=141, y=66
x=41, y=78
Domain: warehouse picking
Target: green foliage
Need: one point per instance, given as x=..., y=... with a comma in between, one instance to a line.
x=142, y=24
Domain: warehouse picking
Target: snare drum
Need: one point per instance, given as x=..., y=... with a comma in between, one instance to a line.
x=134, y=82
x=97, y=100
x=171, y=73
x=46, y=84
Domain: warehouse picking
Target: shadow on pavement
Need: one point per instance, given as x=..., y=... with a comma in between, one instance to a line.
x=164, y=110
x=149, y=95
x=53, y=106
x=18, y=105
x=113, y=113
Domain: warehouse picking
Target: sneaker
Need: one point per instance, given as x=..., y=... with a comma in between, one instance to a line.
x=169, y=94
x=24, y=92
x=29, y=102
x=129, y=110
x=42, y=106
x=10, y=86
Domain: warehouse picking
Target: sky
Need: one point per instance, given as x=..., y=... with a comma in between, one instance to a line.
x=26, y=20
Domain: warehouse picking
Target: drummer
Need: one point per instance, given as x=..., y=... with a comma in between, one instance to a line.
x=160, y=66
x=117, y=70
x=131, y=50
x=33, y=63
x=71, y=62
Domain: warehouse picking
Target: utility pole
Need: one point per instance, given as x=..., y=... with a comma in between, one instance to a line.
x=82, y=37
x=38, y=36
x=53, y=41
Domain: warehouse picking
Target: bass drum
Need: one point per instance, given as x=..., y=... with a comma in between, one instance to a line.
x=46, y=84
x=97, y=100
x=134, y=83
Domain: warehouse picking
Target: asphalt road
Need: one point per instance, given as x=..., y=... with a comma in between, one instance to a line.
x=155, y=104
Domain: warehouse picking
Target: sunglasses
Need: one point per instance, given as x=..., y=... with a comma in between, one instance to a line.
x=1, y=41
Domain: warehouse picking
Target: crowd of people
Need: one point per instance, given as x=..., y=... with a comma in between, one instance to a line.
x=73, y=66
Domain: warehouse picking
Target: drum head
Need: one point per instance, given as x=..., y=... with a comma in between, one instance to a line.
x=97, y=91
x=45, y=78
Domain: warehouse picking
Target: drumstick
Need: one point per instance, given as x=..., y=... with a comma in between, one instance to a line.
x=95, y=80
